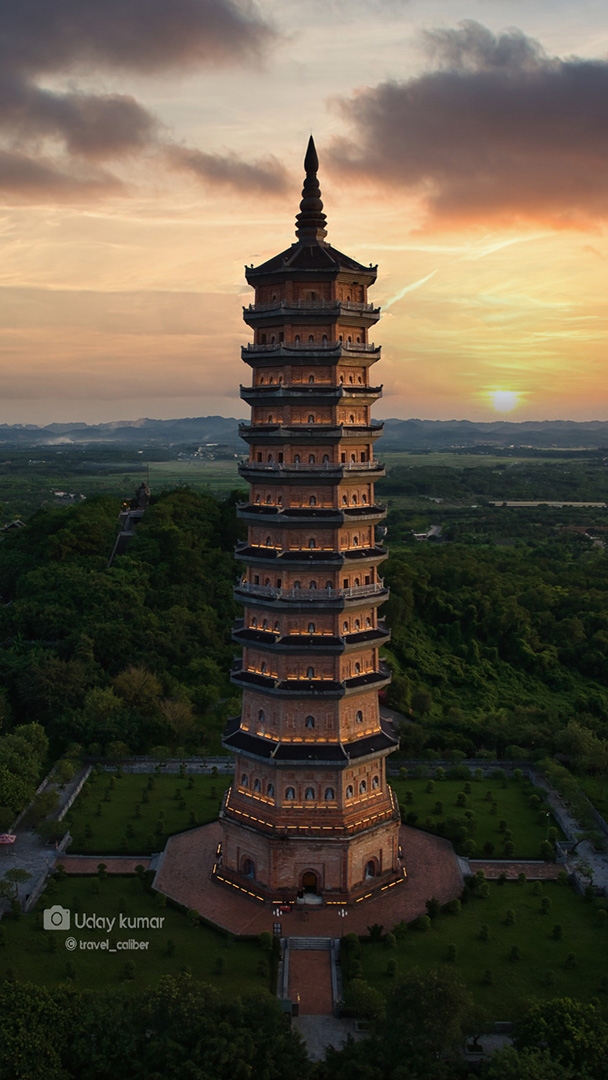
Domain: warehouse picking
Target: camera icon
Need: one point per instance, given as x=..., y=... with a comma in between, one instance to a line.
x=56, y=918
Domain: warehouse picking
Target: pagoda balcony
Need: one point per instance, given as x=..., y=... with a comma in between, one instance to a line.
x=307, y=558
x=295, y=687
x=300, y=517
x=311, y=305
x=308, y=643
x=236, y=739
x=303, y=431
x=245, y=590
x=340, y=468
x=339, y=348
x=308, y=392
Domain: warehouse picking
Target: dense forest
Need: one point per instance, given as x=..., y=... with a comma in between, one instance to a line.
x=493, y=647
x=137, y=652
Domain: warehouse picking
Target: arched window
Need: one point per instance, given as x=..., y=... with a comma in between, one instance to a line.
x=368, y=621
x=357, y=582
x=312, y=543
x=370, y=869
x=344, y=500
x=270, y=791
x=311, y=459
x=272, y=342
x=267, y=581
x=345, y=628
x=328, y=585
x=357, y=624
x=363, y=787
x=376, y=783
x=312, y=501
x=309, y=794
x=270, y=418
x=258, y=499
x=349, y=792
x=268, y=500
x=297, y=585
x=354, y=500
x=248, y=868
x=351, y=418
x=350, y=339
x=311, y=419
x=311, y=378
x=355, y=541
x=277, y=627
x=324, y=338
x=256, y=785
x=244, y=780
x=261, y=380
x=357, y=668
x=311, y=628
x=329, y=794
x=309, y=722
x=311, y=337
x=254, y=622
x=261, y=717
x=263, y=667
x=359, y=717
x=364, y=499
x=265, y=624
x=297, y=339
x=326, y=459
x=312, y=585
x=350, y=378
x=310, y=673
x=290, y=794
x=268, y=541
x=296, y=459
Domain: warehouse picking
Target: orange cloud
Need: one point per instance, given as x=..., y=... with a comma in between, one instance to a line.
x=497, y=132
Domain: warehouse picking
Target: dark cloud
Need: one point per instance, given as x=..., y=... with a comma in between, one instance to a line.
x=90, y=125
x=42, y=37
x=266, y=175
x=498, y=130
x=24, y=178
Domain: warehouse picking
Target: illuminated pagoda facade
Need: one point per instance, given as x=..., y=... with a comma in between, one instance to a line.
x=310, y=810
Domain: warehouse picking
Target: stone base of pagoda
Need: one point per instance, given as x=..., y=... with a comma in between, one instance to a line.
x=338, y=870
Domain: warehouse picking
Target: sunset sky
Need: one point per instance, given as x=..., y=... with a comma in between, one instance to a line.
x=150, y=148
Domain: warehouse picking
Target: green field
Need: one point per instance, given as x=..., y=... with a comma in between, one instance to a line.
x=104, y=819
x=543, y=970
x=528, y=825
x=596, y=789
x=40, y=956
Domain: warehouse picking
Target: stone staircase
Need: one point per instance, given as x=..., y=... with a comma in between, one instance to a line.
x=320, y=944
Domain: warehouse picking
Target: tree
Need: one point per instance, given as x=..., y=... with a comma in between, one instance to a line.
x=573, y=1033
x=427, y=1014
x=9, y=884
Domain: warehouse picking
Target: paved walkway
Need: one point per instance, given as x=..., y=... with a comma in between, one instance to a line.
x=30, y=852
x=184, y=875
x=533, y=869
x=114, y=864
x=310, y=981
x=585, y=851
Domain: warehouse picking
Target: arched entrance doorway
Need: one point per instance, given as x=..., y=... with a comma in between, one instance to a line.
x=309, y=883
x=248, y=868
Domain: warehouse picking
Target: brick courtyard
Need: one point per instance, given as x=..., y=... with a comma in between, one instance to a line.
x=184, y=875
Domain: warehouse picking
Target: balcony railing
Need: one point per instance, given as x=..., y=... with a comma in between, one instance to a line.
x=311, y=305
x=310, y=596
x=302, y=466
x=312, y=346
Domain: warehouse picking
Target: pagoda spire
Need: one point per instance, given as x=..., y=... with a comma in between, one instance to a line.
x=311, y=221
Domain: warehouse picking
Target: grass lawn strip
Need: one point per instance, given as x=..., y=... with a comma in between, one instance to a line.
x=543, y=970
x=36, y=955
x=528, y=824
x=105, y=819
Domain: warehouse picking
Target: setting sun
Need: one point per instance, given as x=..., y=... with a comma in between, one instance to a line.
x=504, y=400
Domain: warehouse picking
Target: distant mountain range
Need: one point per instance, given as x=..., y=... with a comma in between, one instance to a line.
x=398, y=434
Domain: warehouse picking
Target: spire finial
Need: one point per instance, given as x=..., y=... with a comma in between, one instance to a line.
x=311, y=221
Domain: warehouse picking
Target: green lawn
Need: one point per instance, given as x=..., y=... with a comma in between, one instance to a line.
x=40, y=956
x=105, y=818
x=512, y=799
x=542, y=971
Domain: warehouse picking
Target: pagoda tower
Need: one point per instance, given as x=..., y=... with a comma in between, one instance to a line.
x=310, y=810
